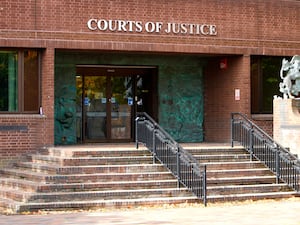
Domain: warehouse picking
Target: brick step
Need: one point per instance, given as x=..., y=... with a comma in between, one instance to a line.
x=86, y=177
x=216, y=151
x=27, y=185
x=234, y=165
x=12, y=183
x=103, y=152
x=97, y=177
x=81, y=161
x=112, y=203
x=241, y=180
x=250, y=196
x=223, y=158
x=238, y=172
x=242, y=189
x=89, y=169
x=21, y=196
x=8, y=206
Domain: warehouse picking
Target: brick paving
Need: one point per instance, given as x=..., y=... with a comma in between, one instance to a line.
x=267, y=212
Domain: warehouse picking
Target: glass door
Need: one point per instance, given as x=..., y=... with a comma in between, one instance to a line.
x=108, y=99
x=121, y=107
x=94, y=108
x=106, y=108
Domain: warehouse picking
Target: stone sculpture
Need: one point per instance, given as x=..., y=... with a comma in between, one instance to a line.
x=290, y=75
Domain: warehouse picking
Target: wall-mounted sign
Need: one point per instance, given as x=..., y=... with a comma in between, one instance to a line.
x=130, y=101
x=237, y=94
x=151, y=27
x=86, y=101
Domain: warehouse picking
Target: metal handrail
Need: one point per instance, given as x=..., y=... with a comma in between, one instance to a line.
x=166, y=150
x=284, y=164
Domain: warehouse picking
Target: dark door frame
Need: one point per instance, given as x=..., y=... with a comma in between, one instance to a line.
x=150, y=73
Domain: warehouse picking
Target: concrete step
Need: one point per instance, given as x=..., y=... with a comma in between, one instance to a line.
x=8, y=206
x=111, y=203
x=27, y=185
x=243, y=189
x=95, y=177
x=250, y=196
x=86, y=177
x=223, y=158
x=81, y=161
x=215, y=151
x=238, y=172
x=221, y=181
x=99, y=152
x=22, y=196
x=89, y=169
x=234, y=165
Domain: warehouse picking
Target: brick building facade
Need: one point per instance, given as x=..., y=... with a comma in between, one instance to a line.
x=211, y=48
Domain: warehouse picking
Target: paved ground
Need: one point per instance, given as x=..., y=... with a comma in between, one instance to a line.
x=268, y=212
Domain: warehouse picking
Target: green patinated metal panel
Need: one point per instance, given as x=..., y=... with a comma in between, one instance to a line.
x=65, y=104
x=181, y=98
x=180, y=91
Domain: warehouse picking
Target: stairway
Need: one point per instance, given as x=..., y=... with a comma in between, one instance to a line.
x=232, y=176
x=84, y=177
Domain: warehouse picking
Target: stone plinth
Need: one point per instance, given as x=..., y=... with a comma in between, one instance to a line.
x=286, y=122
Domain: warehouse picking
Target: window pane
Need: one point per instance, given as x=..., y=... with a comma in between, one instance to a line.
x=8, y=81
x=31, y=81
x=270, y=81
x=265, y=81
x=255, y=85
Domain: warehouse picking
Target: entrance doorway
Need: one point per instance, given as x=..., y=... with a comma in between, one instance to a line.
x=108, y=98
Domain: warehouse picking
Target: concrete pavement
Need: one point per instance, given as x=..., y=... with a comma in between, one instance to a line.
x=267, y=212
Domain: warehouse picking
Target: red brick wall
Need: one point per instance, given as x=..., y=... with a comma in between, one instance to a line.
x=244, y=27
x=265, y=122
x=21, y=134
x=219, y=94
x=266, y=27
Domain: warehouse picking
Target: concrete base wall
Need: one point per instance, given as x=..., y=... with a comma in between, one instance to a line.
x=287, y=123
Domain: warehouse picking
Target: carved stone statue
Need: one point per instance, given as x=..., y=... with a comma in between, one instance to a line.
x=290, y=75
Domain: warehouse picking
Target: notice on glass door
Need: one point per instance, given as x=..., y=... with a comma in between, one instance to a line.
x=130, y=101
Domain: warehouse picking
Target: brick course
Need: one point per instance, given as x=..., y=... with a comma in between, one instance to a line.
x=264, y=27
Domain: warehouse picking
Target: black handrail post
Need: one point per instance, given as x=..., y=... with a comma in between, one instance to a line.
x=204, y=187
x=136, y=133
x=154, y=143
x=232, y=131
x=277, y=164
x=251, y=142
x=178, y=165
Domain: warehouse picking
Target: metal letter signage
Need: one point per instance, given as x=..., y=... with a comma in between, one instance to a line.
x=151, y=27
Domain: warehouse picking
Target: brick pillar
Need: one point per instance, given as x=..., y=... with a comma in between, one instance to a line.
x=47, y=101
x=220, y=102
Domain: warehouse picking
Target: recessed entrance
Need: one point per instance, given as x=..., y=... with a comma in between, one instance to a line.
x=108, y=98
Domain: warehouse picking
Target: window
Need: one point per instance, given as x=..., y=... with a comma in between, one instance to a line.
x=19, y=81
x=265, y=81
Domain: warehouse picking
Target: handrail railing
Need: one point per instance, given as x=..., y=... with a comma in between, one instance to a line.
x=284, y=164
x=165, y=149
